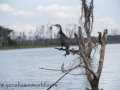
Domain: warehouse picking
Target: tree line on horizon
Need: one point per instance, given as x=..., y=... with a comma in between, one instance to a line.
x=42, y=36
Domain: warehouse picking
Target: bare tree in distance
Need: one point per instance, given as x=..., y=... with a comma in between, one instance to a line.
x=70, y=30
x=19, y=39
x=39, y=34
x=36, y=35
x=49, y=32
x=115, y=32
x=30, y=35
x=14, y=35
x=56, y=35
x=23, y=38
x=75, y=27
x=41, y=31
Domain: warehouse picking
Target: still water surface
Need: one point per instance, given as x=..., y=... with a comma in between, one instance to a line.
x=21, y=66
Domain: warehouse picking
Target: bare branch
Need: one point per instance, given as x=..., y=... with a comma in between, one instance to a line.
x=81, y=37
x=99, y=40
x=64, y=75
x=71, y=50
x=58, y=80
x=50, y=69
x=78, y=41
x=76, y=74
x=86, y=65
x=85, y=61
x=105, y=35
x=102, y=53
x=89, y=50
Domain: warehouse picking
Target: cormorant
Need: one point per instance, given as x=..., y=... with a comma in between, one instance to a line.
x=63, y=38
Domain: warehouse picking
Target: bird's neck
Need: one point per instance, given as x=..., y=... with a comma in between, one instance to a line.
x=60, y=29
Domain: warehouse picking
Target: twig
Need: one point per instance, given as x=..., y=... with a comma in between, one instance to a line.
x=76, y=74
x=51, y=69
x=94, y=52
x=64, y=75
x=58, y=80
x=60, y=70
x=78, y=41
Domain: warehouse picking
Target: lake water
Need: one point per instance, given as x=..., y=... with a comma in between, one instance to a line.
x=20, y=67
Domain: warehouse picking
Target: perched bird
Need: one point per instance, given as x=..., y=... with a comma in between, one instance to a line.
x=63, y=38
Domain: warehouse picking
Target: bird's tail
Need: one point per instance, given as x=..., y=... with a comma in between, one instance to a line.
x=67, y=51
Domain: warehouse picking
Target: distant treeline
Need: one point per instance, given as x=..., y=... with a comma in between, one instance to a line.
x=110, y=40
x=9, y=38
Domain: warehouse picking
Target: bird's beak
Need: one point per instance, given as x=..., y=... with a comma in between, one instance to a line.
x=53, y=25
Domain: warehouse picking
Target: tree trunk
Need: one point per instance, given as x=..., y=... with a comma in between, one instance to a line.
x=94, y=84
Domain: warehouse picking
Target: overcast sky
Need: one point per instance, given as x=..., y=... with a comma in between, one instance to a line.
x=26, y=15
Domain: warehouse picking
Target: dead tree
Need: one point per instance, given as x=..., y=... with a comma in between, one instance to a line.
x=115, y=32
x=83, y=52
x=23, y=38
x=71, y=29
x=50, y=33
x=85, y=48
x=30, y=35
x=92, y=76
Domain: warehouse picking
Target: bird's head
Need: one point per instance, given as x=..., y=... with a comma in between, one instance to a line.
x=57, y=25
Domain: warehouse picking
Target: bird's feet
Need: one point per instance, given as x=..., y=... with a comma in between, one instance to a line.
x=60, y=48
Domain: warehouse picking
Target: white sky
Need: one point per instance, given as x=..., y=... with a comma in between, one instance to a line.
x=26, y=15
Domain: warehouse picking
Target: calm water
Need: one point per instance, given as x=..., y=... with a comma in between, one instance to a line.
x=21, y=66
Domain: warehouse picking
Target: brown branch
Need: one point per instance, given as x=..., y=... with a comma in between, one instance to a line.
x=102, y=53
x=61, y=70
x=85, y=61
x=86, y=65
x=50, y=69
x=58, y=80
x=99, y=38
x=76, y=74
x=61, y=77
x=89, y=69
x=78, y=41
x=89, y=51
x=81, y=37
x=71, y=50
x=105, y=35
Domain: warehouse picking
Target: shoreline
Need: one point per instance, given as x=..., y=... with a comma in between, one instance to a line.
x=35, y=46
x=26, y=47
